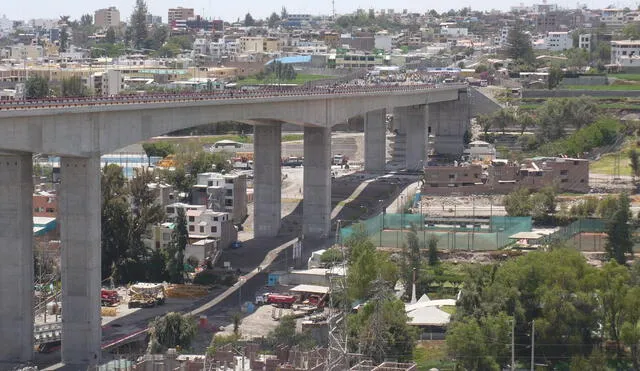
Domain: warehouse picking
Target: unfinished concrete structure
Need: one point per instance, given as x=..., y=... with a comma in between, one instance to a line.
x=79, y=132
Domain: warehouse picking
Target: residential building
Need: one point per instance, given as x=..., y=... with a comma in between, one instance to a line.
x=6, y=25
x=172, y=210
x=558, y=41
x=154, y=19
x=21, y=51
x=585, y=41
x=383, y=41
x=209, y=224
x=450, y=30
x=258, y=44
x=363, y=41
x=161, y=235
x=108, y=17
x=45, y=204
x=107, y=83
x=164, y=193
x=179, y=13
x=222, y=192
x=480, y=151
x=302, y=18
x=502, y=176
x=356, y=60
x=625, y=53
x=612, y=17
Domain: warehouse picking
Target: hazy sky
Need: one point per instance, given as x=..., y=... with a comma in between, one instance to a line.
x=231, y=10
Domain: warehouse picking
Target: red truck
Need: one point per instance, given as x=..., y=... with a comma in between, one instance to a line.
x=281, y=300
x=109, y=298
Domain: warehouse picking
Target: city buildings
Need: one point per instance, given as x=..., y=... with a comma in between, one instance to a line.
x=625, y=53
x=108, y=17
x=179, y=13
x=222, y=192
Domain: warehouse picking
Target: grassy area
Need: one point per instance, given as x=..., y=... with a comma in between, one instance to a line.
x=606, y=163
x=292, y=137
x=432, y=354
x=449, y=309
x=626, y=76
x=601, y=87
x=301, y=78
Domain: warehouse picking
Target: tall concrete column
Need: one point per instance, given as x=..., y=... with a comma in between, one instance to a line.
x=16, y=258
x=316, y=204
x=375, y=146
x=79, y=214
x=448, y=121
x=267, y=180
x=412, y=120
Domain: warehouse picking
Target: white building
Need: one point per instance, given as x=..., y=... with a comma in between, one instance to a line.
x=612, y=17
x=107, y=83
x=558, y=41
x=6, y=25
x=454, y=31
x=222, y=192
x=205, y=223
x=383, y=41
x=171, y=210
x=625, y=53
x=504, y=36
x=585, y=41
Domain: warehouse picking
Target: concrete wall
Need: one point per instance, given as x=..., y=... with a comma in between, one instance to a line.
x=579, y=93
x=448, y=122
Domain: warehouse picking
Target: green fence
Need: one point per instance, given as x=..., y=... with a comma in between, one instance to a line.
x=576, y=228
x=450, y=236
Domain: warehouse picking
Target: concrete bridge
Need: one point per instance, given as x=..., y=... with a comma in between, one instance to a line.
x=80, y=130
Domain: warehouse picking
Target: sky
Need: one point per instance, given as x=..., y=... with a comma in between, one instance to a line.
x=232, y=10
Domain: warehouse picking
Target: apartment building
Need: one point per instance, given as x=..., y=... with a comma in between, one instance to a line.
x=502, y=176
x=222, y=192
x=204, y=225
x=612, y=17
x=558, y=41
x=179, y=13
x=45, y=204
x=258, y=44
x=626, y=53
x=107, y=83
x=108, y=17
x=586, y=41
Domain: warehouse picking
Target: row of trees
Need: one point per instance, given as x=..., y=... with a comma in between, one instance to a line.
x=574, y=316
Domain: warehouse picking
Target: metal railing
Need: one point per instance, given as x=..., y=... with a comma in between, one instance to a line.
x=231, y=95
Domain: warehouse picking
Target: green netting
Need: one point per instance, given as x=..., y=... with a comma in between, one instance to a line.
x=578, y=227
x=450, y=237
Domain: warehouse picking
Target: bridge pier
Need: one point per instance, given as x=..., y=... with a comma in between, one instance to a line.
x=411, y=121
x=316, y=219
x=375, y=146
x=449, y=120
x=79, y=214
x=267, y=180
x=16, y=258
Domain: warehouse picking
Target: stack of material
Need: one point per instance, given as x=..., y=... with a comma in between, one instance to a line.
x=185, y=291
x=109, y=311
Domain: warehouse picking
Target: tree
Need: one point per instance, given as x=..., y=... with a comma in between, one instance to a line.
x=555, y=76
x=86, y=20
x=618, y=230
x=380, y=328
x=485, y=123
x=283, y=13
x=36, y=87
x=73, y=87
x=115, y=219
x=543, y=203
x=518, y=203
x=412, y=258
x=236, y=319
x=170, y=331
x=273, y=20
x=158, y=149
x=139, y=24
x=519, y=44
x=248, y=20
x=285, y=334
x=175, y=251
x=467, y=137
x=634, y=162
x=433, y=250
x=525, y=121
x=110, y=36
x=504, y=118
x=63, y=41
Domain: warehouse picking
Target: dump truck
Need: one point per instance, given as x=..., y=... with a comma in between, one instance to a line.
x=146, y=295
x=109, y=298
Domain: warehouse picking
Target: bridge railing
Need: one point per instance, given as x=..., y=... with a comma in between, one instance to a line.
x=224, y=95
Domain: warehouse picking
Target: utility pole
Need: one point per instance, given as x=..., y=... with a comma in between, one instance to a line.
x=533, y=342
x=513, y=344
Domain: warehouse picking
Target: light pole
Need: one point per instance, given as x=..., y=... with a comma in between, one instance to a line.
x=380, y=202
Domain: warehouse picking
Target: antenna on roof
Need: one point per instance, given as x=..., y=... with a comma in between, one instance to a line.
x=333, y=10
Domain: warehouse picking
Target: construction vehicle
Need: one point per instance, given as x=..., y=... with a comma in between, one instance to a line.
x=109, y=298
x=167, y=162
x=278, y=300
x=146, y=295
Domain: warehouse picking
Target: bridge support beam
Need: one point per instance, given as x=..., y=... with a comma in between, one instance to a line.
x=316, y=204
x=375, y=146
x=411, y=121
x=16, y=259
x=267, y=180
x=448, y=122
x=79, y=214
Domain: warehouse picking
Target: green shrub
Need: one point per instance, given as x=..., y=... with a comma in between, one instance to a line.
x=206, y=277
